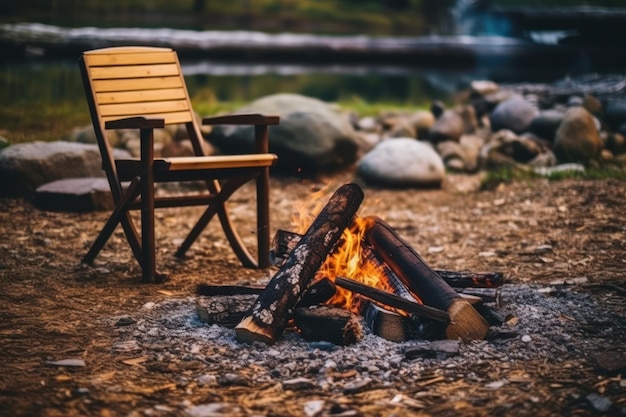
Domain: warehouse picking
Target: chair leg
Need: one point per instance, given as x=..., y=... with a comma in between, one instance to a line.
x=116, y=217
x=222, y=194
x=263, y=219
x=148, y=245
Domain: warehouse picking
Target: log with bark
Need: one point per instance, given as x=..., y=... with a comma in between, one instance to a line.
x=275, y=305
x=227, y=305
x=284, y=241
x=465, y=322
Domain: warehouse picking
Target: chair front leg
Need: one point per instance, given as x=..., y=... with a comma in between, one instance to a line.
x=148, y=245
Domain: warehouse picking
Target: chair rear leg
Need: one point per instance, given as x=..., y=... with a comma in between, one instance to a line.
x=222, y=194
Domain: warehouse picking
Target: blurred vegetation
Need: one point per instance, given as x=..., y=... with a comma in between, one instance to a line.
x=494, y=178
x=26, y=111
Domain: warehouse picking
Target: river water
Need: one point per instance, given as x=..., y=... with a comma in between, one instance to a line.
x=407, y=71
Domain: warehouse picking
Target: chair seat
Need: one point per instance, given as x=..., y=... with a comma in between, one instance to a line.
x=129, y=168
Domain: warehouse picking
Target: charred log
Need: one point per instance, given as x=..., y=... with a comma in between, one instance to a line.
x=466, y=323
x=330, y=324
x=278, y=300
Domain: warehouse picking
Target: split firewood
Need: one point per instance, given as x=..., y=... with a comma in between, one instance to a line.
x=284, y=241
x=330, y=324
x=386, y=324
x=276, y=303
x=465, y=322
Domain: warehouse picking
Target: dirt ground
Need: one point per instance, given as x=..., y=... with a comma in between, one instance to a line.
x=537, y=232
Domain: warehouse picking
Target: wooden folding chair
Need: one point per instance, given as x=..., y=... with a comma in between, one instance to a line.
x=143, y=88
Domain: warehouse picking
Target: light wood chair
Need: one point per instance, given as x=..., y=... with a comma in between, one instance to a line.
x=143, y=88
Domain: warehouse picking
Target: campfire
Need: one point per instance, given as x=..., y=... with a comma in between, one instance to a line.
x=345, y=266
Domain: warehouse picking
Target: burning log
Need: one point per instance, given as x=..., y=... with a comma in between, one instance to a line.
x=284, y=242
x=331, y=324
x=393, y=300
x=278, y=300
x=466, y=323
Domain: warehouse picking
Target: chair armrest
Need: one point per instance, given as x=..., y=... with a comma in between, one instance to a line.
x=242, y=119
x=135, y=123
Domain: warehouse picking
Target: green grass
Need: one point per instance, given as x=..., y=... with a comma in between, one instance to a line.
x=496, y=177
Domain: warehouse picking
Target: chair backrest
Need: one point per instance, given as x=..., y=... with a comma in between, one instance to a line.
x=135, y=81
x=138, y=81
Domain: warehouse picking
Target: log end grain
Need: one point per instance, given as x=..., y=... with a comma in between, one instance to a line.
x=465, y=322
x=247, y=331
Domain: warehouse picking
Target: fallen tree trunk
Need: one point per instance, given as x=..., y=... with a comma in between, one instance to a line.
x=465, y=322
x=278, y=300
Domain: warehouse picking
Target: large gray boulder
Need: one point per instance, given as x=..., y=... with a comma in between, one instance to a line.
x=24, y=167
x=402, y=162
x=312, y=137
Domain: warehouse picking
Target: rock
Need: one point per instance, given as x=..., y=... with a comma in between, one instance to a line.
x=611, y=361
x=577, y=139
x=299, y=383
x=616, y=143
x=312, y=137
x=402, y=129
x=402, y=162
x=447, y=127
x=75, y=195
x=506, y=149
x=422, y=122
x=437, y=108
x=546, y=124
x=514, y=114
x=483, y=87
x=461, y=156
x=368, y=124
x=129, y=140
x=439, y=349
x=24, y=167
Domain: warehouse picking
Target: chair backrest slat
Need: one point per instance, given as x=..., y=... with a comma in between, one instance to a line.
x=132, y=84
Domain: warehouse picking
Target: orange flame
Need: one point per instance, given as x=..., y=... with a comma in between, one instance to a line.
x=348, y=259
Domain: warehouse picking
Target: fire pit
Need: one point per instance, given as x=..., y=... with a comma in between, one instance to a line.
x=355, y=266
